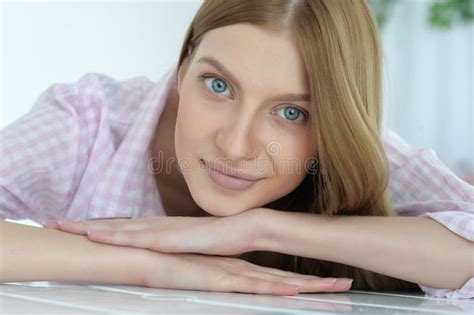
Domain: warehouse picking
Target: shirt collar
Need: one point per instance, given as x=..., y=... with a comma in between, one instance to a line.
x=122, y=183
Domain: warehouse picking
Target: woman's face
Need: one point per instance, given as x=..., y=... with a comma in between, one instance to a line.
x=239, y=119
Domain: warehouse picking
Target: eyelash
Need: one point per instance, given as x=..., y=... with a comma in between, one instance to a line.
x=303, y=112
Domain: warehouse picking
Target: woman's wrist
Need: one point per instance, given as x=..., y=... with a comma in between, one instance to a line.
x=280, y=231
x=262, y=221
x=119, y=265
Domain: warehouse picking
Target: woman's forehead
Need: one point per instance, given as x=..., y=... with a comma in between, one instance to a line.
x=254, y=50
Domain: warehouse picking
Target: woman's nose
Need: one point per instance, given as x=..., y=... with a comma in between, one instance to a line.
x=237, y=141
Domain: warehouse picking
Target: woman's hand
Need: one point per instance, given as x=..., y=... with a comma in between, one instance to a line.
x=224, y=236
x=227, y=274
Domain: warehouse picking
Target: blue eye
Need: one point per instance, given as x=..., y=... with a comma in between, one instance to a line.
x=292, y=113
x=217, y=85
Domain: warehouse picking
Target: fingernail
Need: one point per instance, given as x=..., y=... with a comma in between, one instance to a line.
x=345, y=281
x=296, y=288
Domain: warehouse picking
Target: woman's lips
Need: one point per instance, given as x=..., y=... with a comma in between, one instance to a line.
x=226, y=170
x=227, y=181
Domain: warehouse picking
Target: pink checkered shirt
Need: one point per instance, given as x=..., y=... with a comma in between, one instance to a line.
x=81, y=153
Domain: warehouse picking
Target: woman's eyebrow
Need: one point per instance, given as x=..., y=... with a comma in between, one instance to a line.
x=220, y=67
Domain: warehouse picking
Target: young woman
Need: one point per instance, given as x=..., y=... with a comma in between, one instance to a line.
x=263, y=143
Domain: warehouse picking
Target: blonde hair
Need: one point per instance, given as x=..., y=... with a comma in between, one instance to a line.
x=339, y=42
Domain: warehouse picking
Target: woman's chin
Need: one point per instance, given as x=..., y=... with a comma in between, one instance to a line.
x=220, y=211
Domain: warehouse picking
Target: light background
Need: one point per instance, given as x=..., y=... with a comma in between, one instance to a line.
x=428, y=74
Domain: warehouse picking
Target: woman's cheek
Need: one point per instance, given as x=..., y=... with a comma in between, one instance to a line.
x=192, y=123
x=184, y=130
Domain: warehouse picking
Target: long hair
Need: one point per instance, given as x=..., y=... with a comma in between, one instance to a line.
x=340, y=46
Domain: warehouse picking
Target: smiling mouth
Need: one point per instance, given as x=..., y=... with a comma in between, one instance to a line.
x=228, y=181
x=232, y=173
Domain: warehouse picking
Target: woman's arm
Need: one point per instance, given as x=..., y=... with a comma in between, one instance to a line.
x=30, y=253
x=414, y=249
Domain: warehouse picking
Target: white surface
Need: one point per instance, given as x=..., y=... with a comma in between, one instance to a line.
x=61, y=298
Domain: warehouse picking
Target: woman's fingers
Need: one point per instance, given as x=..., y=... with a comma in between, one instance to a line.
x=75, y=227
x=141, y=239
x=224, y=274
x=305, y=285
x=98, y=226
x=246, y=284
x=284, y=273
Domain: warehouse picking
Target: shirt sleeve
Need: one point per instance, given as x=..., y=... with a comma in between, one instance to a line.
x=46, y=151
x=421, y=185
x=39, y=152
